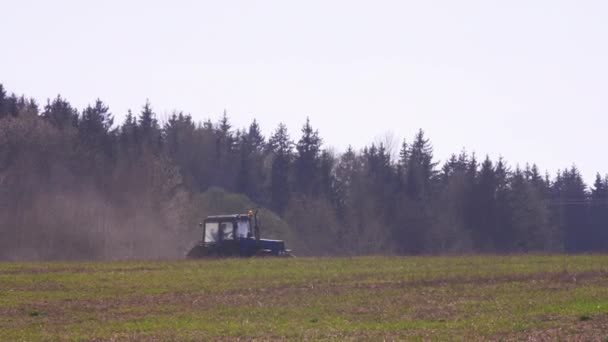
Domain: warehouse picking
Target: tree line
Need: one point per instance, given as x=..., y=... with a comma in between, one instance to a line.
x=75, y=184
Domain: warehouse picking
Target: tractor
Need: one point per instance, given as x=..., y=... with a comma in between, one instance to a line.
x=235, y=236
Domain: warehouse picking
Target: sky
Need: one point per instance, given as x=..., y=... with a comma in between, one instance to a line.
x=525, y=80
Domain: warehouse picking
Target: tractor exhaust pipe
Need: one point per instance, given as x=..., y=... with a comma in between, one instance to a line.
x=256, y=226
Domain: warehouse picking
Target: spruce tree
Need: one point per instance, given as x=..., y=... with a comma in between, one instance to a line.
x=254, y=137
x=94, y=130
x=420, y=168
x=573, y=203
x=60, y=113
x=148, y=129
x=484, y=219
x=346, y=173
x=306, y=163
x=226, y=139
x=281, y=146
x=251, y=148
x=598, y=214
x=96, y=121
x=3, y=104
x=327, y=178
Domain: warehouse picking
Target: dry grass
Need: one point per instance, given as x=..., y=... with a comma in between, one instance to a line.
x=457, y=298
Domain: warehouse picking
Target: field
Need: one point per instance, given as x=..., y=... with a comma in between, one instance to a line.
x=370, y=298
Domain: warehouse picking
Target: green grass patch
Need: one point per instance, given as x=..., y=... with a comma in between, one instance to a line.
x=440, y=298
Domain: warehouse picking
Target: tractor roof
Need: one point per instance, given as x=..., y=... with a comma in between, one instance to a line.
x=227, y=217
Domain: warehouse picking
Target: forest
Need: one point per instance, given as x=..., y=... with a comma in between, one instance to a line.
x=75, y=185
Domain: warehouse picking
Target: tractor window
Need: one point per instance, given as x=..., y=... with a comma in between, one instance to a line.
x=212, y=231
x=242, y=229
x=227, y=231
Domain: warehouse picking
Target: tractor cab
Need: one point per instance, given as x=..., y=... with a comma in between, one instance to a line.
x=234, y=235
x=217, y=229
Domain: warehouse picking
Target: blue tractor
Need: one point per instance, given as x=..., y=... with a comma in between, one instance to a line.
x=235, y=236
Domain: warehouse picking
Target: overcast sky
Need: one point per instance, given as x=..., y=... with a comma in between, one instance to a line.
x=527, y=80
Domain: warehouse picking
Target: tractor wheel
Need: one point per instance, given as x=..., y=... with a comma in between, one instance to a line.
x=198, y=252
x=263, y=253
